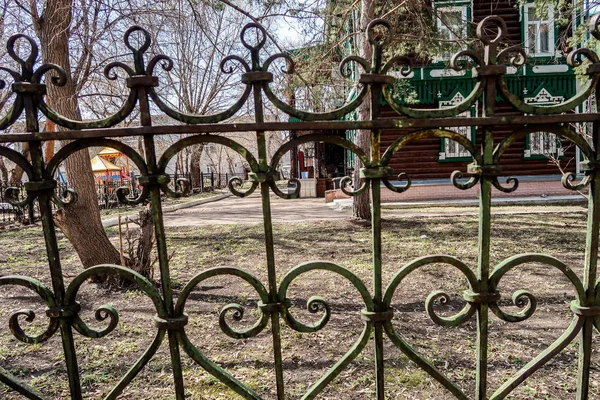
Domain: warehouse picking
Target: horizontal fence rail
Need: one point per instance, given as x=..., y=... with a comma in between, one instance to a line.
x=274, y=305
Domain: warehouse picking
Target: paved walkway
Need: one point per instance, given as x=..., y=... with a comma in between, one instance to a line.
x=234, y=210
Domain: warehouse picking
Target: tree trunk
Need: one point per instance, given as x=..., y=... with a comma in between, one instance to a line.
x=361, y=207
x=16, y=177
x=80, y=222
x=3, y=172
x=195, y=166
x=143, y=254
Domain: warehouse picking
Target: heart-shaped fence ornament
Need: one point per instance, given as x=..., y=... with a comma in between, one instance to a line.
x=528, y=301
x=313, y=304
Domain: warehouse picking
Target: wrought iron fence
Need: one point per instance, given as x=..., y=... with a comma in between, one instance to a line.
x=481, y=297
x=106, y=192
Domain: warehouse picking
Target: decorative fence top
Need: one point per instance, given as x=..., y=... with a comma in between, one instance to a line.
x=377, y=314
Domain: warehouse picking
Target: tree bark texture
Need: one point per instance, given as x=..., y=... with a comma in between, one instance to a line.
x=80, y=222
x=3, y=172
x=16, y=176
x=361, y=206
x=195, y=171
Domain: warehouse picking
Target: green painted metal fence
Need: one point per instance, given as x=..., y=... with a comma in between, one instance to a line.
x=274, y=306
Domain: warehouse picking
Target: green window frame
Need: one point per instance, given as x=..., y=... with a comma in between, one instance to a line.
x=451, y=151
x=543, y=145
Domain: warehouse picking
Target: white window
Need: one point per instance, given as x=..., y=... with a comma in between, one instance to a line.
x=451, y=22
x=538, y=31
x=543, y=143
x=451, y=26
x=450, y=148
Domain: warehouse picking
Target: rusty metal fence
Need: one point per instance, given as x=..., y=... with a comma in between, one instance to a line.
x=274, y=307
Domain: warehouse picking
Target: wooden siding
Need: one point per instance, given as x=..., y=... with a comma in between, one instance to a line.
x=420, y=159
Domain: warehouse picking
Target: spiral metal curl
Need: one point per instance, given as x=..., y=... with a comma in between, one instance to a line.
x=229, y=60
x=166, y=63
x=574, y=58
x=237, y=313
x=12, y=195
x=181, y=188
x=457, y=175
x=14, y=322
x=65, y=198
x=111, y=74
x=514, y=55
x=568, y=178
x=456, y=319
x=315, y=303
x=291, y=65
x=101, y=314
x=60, y=79
x=442, y=298
x=399, y=61
x=291, y=182
x=344, y=187
x=237, y=182
x=398, y=188
x=511, y=180
x=106, y=311
x=17, y=331
x=459, y=64
x=523, y=298
x=235, y=310
x=123, y=195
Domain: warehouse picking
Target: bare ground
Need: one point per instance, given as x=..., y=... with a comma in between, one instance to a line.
x=306, y=357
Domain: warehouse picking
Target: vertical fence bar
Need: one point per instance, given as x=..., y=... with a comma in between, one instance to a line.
x=590, y=270
x=483, y=265
x=44, y=191
x=58, y=285
x=265, y=176
x=375, y=111
x=484, y=228
x=161, y=241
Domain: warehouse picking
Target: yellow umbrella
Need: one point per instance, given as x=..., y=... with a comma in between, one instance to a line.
x=107, y=151
x=100, y=165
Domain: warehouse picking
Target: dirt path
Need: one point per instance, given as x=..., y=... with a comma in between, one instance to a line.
x=234, y=210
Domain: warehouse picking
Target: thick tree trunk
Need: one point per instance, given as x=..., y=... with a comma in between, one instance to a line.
x=361, y=207
x=143, y=254
x=195, y=167
x=80, y=222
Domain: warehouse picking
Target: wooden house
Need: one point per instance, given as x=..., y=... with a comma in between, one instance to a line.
x=546, y=79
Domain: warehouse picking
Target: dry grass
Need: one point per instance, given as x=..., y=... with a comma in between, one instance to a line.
x=306, y=357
